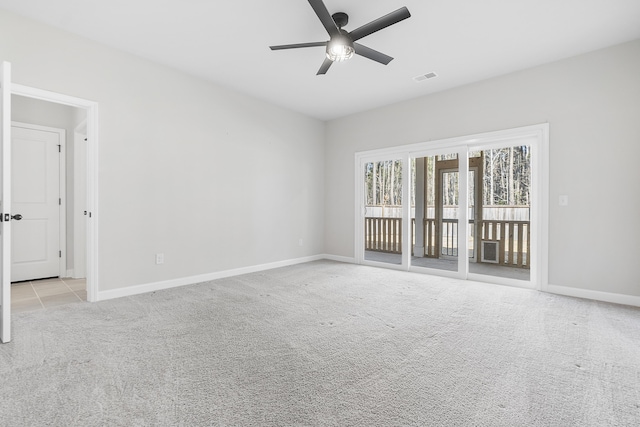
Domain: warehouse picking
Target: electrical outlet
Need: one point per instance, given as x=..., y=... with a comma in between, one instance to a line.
x=159, y=259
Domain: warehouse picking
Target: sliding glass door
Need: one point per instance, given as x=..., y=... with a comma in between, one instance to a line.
x=418, y=211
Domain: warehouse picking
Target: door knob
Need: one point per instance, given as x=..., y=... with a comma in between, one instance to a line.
x=17, y=217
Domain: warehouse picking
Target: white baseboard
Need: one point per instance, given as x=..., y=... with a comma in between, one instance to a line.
x=348, y=260
x=70, y=273
x=192, y=280
x=594, y=295
x=184, y=281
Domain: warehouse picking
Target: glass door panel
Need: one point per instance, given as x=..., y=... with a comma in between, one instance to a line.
x=503, y=232
x=383, y=223
x=434, y=212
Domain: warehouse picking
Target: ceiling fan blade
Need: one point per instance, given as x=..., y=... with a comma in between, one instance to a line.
x=325, y=17
x=380, y=23
x=297, y=45
x=367, y=52
x=324, y=67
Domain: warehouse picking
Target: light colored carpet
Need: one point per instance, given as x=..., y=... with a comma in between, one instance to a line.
x=326, y=344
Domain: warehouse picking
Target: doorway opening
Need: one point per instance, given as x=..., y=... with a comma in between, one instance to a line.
x=47, y=264
x=44, y=112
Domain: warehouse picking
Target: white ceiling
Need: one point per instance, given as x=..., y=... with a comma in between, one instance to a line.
x=227, y=42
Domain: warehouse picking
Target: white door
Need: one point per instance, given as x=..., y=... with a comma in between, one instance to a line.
x=5, y=202
x=35, y=195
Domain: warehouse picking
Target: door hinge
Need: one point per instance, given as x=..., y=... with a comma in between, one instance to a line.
x=59, y=254
x=59, y=148
x=59, y=201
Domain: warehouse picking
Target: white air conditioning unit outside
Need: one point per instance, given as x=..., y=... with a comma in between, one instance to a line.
x=491, y=251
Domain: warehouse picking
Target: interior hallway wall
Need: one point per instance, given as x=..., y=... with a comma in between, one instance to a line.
x=592, y=105
x=211, y=178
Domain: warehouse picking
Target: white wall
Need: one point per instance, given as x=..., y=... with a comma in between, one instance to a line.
x=33, y=111
x=592, y=104
x=201, y=173
x=213, y=179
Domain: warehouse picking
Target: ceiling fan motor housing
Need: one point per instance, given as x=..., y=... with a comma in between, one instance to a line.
x=341, y=19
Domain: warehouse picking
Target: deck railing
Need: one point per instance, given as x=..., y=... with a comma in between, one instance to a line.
x=514, y=237
x=383, y=234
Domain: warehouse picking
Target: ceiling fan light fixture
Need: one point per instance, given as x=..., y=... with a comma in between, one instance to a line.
x=340, y=49
x=341, y=45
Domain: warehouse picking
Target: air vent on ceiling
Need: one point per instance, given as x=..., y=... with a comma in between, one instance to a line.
x=424, y=77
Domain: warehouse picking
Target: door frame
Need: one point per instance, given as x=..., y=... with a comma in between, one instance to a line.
x=91, y=174
x=79, y=202
x=536, y=136
x=62, y=190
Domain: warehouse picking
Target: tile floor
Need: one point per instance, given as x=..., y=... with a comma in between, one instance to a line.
x=45, y=293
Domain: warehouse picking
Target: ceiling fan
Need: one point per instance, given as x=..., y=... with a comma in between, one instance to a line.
x=342, y=44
